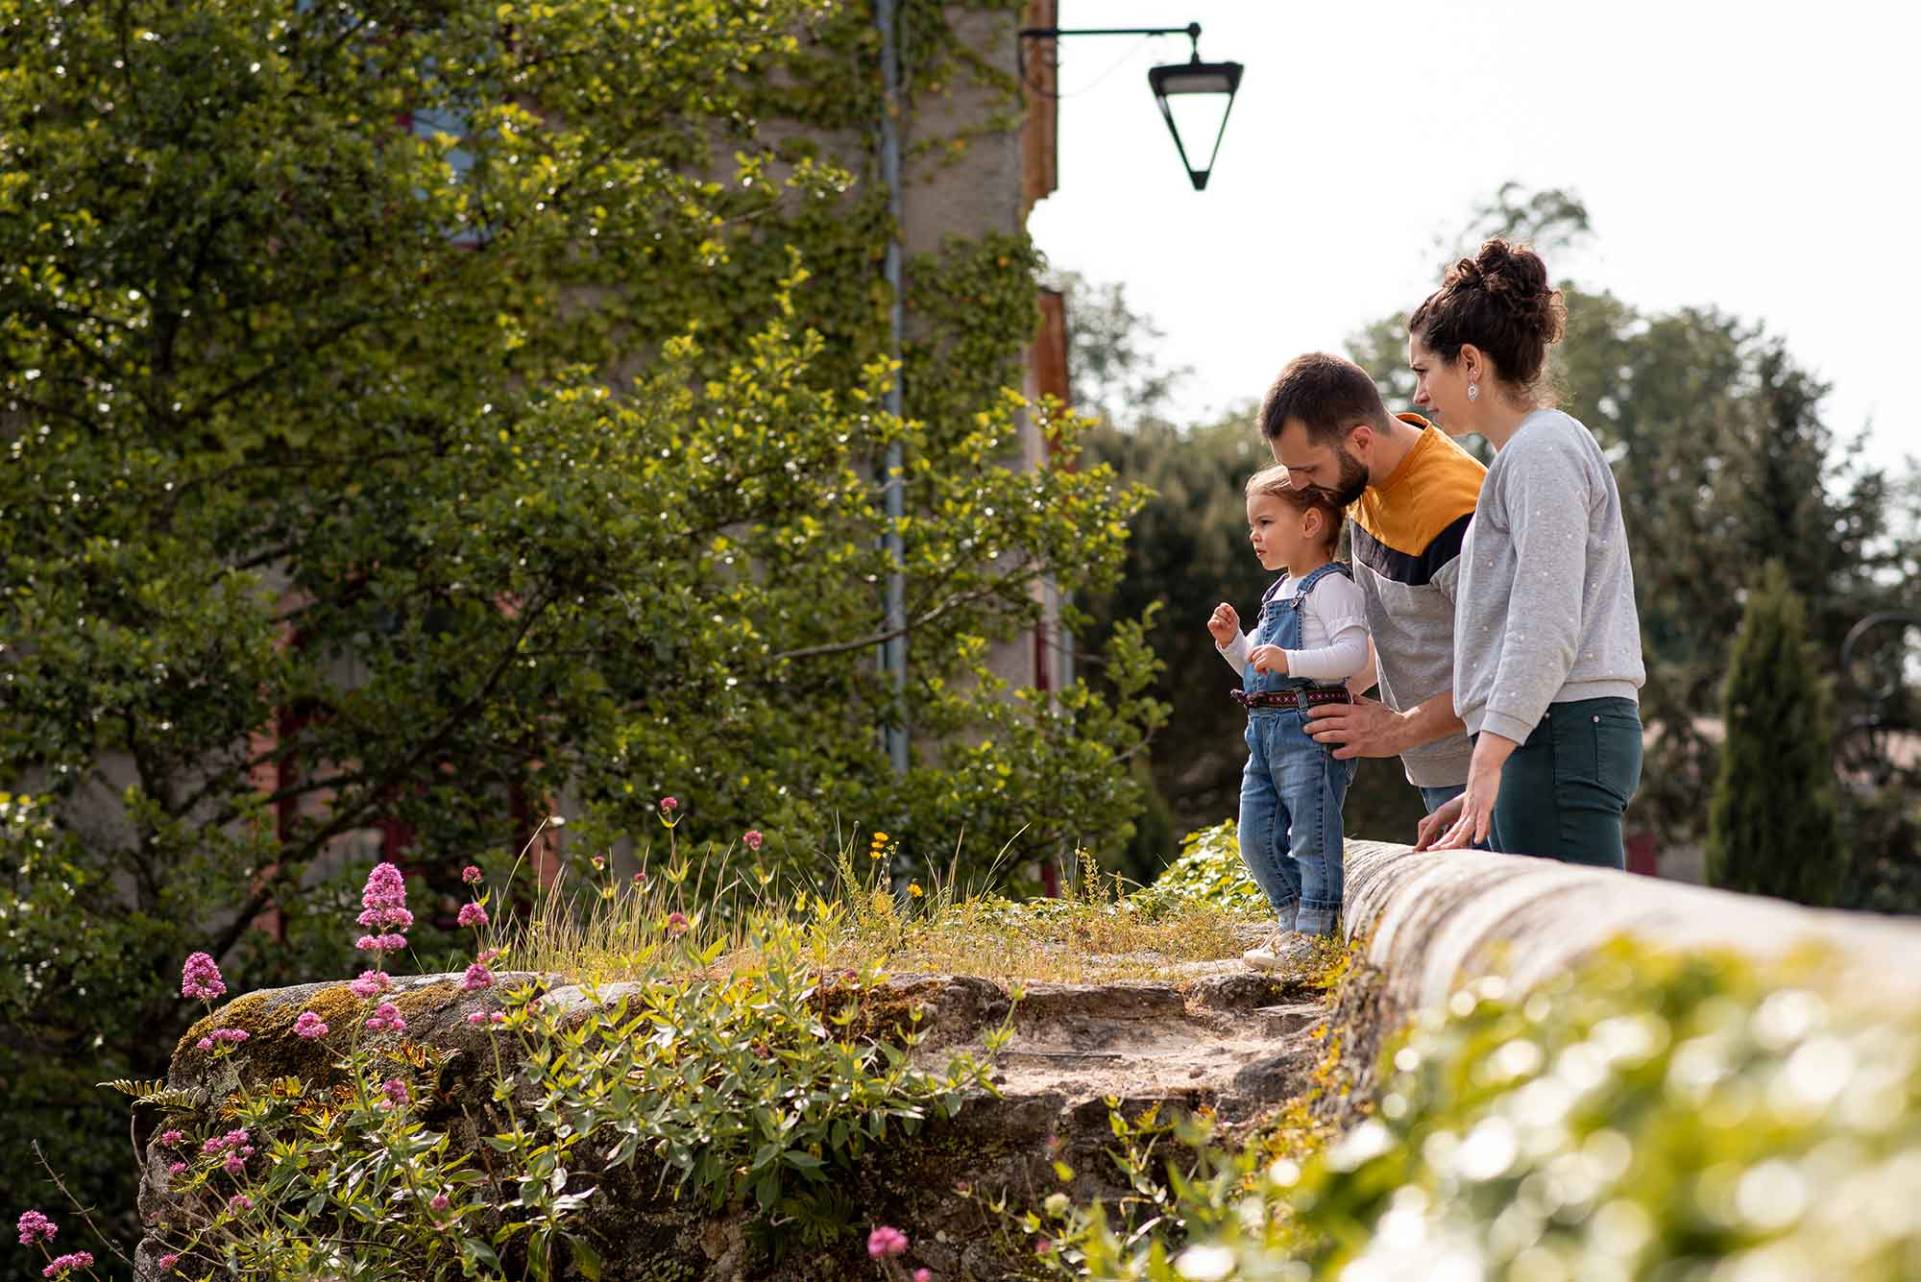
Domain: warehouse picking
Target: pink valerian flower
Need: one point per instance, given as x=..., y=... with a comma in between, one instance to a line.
x=752, y=839
x=238, y=1140
x=234, y=1035
x=36, y=1227
x=61, y=1265
x=176, y=1168
x=473, y=914
x=239, y=1202
x=669, y=805
x=487, y=955
x=166, y=1262
x=386, y=1018
x=886, y=1243
x=372, y=983
x=170, y=1139
x=384, y=911
x=386, y=918
x=386, y=889
x=438, y=1202
x=234, y=1164
x=482, y=1017
x=1043, y=1247
x=677, y=924
x=471, y=874
x=309, y=1026
x=395, y=1090
x=640, y=879
x=923, y=1275
x=200, y=979
x=477, y=978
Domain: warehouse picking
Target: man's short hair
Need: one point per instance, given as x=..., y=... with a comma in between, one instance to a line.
x=1328, y=395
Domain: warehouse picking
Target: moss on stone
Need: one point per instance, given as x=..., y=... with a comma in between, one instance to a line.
x=429, y=999
x=884, y=1013
x=272, y=1048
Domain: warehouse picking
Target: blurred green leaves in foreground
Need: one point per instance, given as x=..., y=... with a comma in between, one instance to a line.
x=1650, y=1114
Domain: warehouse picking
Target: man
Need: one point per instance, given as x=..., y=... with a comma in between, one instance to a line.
x=1410, y=493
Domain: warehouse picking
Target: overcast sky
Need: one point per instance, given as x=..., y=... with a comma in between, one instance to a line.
x=1758, y=157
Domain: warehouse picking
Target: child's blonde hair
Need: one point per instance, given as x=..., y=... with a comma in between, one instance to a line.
x=1275, y=482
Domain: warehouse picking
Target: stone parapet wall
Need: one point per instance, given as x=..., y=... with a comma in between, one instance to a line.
x=1436, y=920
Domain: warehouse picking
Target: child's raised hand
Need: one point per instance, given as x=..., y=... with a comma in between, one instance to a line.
x=1224, y=624
x=1268, y=658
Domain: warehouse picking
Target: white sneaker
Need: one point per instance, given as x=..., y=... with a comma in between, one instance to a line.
x=1282, y=952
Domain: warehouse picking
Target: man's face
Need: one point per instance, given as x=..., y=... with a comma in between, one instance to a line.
x=1326, y=467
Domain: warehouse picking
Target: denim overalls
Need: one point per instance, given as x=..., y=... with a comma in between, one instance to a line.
x=1291, y=793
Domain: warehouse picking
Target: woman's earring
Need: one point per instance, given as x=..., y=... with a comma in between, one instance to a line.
x=1474, y=391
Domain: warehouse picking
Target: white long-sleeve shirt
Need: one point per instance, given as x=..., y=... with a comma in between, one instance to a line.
x=1333, y=632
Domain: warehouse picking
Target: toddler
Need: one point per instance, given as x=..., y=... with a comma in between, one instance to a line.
x=1310, y=638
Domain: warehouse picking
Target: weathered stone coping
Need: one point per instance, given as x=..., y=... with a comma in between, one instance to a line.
x=1436, y=920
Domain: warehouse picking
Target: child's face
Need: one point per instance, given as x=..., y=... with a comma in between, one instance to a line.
x=1278, y=531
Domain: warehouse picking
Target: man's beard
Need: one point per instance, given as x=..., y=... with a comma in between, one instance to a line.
x=1353, y=480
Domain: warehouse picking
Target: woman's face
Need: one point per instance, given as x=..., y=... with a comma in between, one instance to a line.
x=1440, y=389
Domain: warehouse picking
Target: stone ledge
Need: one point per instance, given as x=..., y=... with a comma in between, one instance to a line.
x=1212, y=1035
x=1436, y=920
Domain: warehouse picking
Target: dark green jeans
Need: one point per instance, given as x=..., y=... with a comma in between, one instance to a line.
x=1563, y=792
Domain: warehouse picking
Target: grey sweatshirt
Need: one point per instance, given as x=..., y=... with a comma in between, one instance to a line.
x=1545, y=610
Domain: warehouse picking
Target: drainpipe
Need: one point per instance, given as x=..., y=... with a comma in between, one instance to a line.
x=893, y=656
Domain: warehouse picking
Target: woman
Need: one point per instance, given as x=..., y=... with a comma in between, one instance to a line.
x=1547, y=648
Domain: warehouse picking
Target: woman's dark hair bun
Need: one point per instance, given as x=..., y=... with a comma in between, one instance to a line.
x=1515, y=276
x=1501, y=301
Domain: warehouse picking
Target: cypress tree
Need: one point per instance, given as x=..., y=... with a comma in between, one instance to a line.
x=1772, y=826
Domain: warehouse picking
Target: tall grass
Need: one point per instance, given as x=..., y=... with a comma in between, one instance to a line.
x=593, y=926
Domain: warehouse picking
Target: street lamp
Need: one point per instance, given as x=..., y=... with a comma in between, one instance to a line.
x=1191, y=89
x=1203, y=84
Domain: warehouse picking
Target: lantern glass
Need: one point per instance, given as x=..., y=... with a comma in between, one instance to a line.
x=1195, y=99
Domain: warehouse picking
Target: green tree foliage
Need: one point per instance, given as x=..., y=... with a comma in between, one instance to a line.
x=443, y=390
x=1772, y=827
x=1478, y=1116
x=1550, y=220
x=1114, y=367
x=1188, y=552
